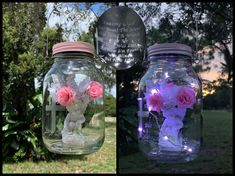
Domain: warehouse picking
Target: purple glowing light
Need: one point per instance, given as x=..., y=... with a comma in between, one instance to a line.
x=165, y=138
x=153, y=91
x=190, y=150
x=140, y=129
x=193, y=84
x=166, y=75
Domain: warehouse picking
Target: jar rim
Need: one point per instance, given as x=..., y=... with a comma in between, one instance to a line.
x=78, y=46
x=169, y=48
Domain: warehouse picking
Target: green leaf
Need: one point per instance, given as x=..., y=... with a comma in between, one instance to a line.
x=15, y=145
x=32, y=139
x=20, y=154
x=10, y=132
x=4, y=128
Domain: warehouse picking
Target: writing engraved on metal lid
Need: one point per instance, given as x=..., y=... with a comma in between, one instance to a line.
x=120, y=37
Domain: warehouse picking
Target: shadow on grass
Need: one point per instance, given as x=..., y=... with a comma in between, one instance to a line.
x=65, y=158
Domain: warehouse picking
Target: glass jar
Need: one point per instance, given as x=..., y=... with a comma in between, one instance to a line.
x=170, y=105
x=73, y=116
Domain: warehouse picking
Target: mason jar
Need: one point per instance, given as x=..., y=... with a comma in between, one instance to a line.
x=170, y=105
x=73, y=93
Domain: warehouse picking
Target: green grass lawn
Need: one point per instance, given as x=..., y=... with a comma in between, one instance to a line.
x=103, y=161
x=215, y=156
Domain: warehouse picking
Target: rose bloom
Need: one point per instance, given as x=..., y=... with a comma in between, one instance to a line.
x=155, y=102
x=65, y=96
x=186, y=98
x=95, y=90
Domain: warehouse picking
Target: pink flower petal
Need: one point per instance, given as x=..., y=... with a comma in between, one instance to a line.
x=95, y=90
x=65, y=96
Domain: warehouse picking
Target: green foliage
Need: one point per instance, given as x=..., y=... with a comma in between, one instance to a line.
x=220, y=99
x=24, y=48
x=93, y=109
x=22, y=137
x=110, y=106
x=128, y=130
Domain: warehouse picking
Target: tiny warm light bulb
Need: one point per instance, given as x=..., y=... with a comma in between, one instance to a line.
x=153, y=91
x=166, y=75
x=140, y=129
x=193, y=84
x=165, y=137
x=116, y=64
x=190, y=150
x=128, y=61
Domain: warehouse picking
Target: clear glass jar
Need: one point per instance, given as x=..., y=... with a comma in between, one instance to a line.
x=170, y=105
x=73, y=116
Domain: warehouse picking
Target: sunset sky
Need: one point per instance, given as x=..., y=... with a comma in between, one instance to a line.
x=215, y=65
x=213, y=74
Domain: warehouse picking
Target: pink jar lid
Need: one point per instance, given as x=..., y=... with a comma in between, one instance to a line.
x=169, y=48
x=73, y=46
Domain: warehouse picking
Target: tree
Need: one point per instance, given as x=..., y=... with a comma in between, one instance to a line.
x=146, y=11
x=215, y=28
x=220, y=98
x=24, y=52
x=75, y=13
x=22, y=23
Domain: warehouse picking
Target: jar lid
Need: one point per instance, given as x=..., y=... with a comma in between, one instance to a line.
x=78, y=46
x=169, y=48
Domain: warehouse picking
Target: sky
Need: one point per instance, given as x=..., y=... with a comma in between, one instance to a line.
x=213, y=74
x=84, y=25
x=81, y=26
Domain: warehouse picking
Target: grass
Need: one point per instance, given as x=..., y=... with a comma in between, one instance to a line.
x=215, y=156
x=103, y=161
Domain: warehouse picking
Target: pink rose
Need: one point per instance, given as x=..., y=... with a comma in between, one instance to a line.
x=155, y=102
x=186, y=97
x=95, y=90
x=65, y=96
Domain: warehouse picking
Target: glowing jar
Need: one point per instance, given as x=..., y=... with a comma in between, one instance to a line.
x=170, y=105
x=73, y=92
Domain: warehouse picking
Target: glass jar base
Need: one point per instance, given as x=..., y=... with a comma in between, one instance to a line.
x=172, y=157
x=188, y=152
x=57, y=146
